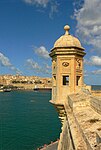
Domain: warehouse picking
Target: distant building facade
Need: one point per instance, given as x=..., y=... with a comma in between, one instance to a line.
x=25, y=82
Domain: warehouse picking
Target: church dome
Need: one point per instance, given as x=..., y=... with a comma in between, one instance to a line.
x=67, y=40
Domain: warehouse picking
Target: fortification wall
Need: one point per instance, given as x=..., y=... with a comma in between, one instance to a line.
x=96, y=104
x=24, y=86
x=82, y=126
x=31, y=86
x=66, y=141
x=96, y=92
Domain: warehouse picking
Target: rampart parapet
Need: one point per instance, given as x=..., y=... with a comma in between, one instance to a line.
x=82, y=125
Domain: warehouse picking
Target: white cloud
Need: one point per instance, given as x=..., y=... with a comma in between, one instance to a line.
x=85, y=73
x=97, y=72
x=51, y=4
x=5, y=62
x=54, y=9
x=42, y=52
x=16, y=70
x=86, y=62
x=94, y=61
x=34, y=65
x=47, y=66
x=89, y=23
x=44, y=68
x=42, y=3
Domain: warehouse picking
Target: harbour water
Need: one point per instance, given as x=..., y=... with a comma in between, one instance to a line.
x=27, y=120
x=96, y=87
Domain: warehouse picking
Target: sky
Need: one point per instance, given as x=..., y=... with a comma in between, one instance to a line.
x=29, y=28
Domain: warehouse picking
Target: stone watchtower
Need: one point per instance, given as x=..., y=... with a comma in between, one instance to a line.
x=67, y=67
x=73, y=100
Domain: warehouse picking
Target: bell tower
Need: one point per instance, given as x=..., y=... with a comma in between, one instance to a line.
x=67, y=67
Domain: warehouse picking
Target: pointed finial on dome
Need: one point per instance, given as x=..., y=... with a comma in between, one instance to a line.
x=66, y=28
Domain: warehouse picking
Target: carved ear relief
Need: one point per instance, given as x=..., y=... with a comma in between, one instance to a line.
x=65, y=64
x=78, y=62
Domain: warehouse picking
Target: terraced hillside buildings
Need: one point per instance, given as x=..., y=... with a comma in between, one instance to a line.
x=25, y=82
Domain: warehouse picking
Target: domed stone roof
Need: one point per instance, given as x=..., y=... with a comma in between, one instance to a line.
x=67, y=40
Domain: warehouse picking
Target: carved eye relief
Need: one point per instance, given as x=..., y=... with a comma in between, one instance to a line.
x=65, y=64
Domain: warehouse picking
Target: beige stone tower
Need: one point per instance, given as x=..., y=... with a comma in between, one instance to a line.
x=75, y=105
x=67, y=67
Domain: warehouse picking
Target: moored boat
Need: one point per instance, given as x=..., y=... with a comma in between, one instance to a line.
x=1, y=90
x=7, y=90
x=42, y=89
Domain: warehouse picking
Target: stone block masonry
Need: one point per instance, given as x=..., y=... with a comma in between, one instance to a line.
x=82, y=125
x=96, y=104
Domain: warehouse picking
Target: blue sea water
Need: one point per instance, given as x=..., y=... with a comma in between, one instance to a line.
x=27, y=120
x=96, y=87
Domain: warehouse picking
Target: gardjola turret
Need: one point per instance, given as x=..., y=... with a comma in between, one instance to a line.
x=67, y=68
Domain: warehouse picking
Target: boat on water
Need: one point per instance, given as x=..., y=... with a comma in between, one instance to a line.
x=1, y=90
x=42, y=89
x=5, y=90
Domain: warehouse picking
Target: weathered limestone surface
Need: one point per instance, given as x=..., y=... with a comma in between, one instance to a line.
x=66, y=142
x=96, y=104
x=96, y=93
x=83, y=123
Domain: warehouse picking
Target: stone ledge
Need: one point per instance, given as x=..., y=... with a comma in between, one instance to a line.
x=87, y=120
x=96, y=104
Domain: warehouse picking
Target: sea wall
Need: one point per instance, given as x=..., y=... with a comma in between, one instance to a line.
x=24, y=86
x=81, y=129
x=30, y=86
x=66, y=141
x=96, y=92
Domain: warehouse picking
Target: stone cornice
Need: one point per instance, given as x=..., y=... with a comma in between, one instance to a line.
x=67, y=51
